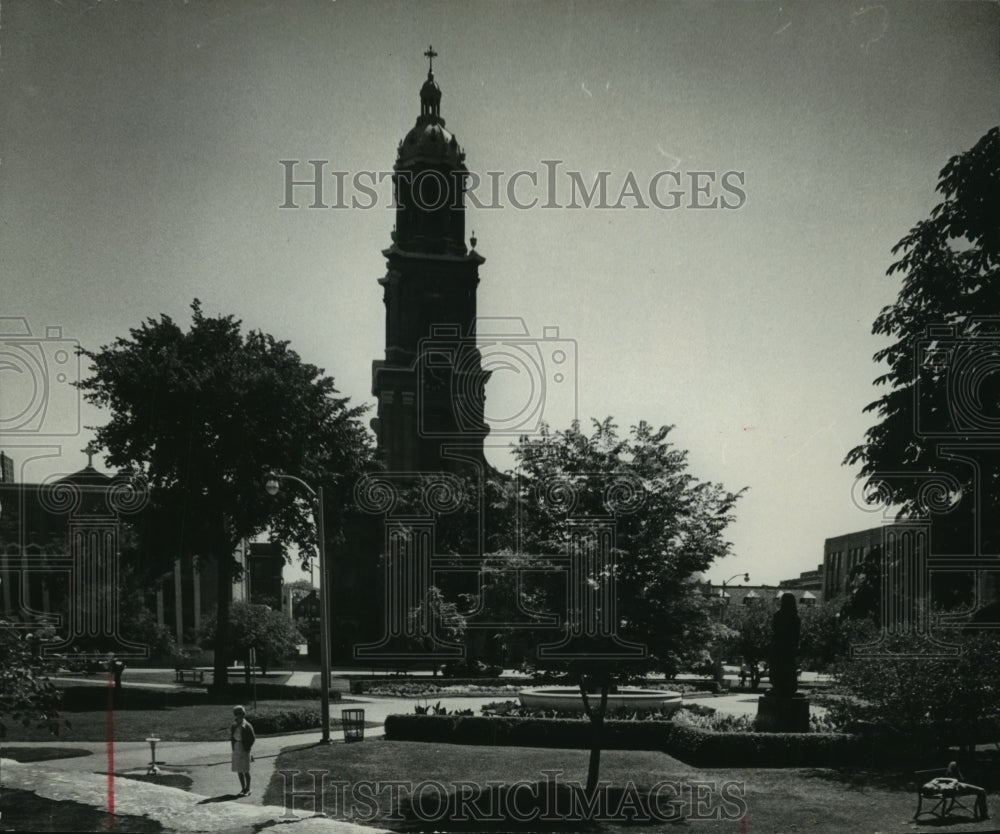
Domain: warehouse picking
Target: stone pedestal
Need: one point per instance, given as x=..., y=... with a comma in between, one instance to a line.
x=782, y=713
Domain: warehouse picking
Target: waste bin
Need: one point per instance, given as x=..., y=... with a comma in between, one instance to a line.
x=354, y=724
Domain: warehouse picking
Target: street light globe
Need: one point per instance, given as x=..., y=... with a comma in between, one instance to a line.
x=271, y=485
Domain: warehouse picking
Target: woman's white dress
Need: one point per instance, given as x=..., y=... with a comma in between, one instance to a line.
x=241, y=755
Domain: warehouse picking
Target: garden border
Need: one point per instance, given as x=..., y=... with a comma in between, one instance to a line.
x=692, y=745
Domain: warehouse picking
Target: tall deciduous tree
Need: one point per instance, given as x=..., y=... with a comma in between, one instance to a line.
x=201, y=415
x=668, y=526
x=941, y=383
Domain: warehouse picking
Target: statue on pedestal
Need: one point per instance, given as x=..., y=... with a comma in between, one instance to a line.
x=781, y=710
x=783, y=661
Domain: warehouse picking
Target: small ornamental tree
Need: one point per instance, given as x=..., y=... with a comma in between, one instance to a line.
x=438, y=622
x=252, y=626
x=668, y=527
x=750, y=637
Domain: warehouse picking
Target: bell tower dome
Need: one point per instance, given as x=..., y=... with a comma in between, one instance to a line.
x=430, y=385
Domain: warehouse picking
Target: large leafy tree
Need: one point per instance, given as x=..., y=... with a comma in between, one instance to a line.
x=668, y=527
x=942, y=383
x=201, y=415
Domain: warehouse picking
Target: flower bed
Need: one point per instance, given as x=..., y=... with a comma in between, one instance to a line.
x=410, y=688
x=515, y=710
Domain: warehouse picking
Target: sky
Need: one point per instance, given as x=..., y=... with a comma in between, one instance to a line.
x=140, y=167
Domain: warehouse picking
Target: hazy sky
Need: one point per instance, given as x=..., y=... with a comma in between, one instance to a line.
x=139, y=168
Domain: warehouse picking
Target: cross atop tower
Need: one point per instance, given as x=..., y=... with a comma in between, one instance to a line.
x=90, y=450
x=431, y=55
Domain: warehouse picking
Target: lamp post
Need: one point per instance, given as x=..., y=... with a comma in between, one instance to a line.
x=746, y=578
x=271, y=485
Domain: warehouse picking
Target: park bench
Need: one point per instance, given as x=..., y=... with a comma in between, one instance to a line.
x=194, y=675
x=947, y=796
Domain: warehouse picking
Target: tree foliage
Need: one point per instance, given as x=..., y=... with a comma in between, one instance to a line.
x=750, y=637
x=27, y=696
x=269, y=633
x=667, y=525
x=941, y=384
x=200, y=416
x=939, y=701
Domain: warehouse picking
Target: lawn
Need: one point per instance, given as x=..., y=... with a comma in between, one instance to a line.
x=166, y=676
x=776, y=800
x=191, y=722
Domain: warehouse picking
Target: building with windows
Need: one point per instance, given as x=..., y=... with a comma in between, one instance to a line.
x=841, y=554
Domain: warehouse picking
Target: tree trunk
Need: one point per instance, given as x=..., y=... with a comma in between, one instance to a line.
x=224, y=596
x=596, y=717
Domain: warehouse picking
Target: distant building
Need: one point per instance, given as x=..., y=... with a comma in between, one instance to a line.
x=841, y=554
x=769, y=595
x=809, y=580
x=53, y=535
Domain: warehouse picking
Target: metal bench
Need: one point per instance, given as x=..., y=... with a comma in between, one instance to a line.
x=946, y=799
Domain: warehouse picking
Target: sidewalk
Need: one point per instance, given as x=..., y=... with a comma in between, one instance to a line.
x=176, y=810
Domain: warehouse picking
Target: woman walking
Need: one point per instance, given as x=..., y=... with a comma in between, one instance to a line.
x=242, y=737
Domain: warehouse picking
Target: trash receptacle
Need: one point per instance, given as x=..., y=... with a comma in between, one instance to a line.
x=354, y=724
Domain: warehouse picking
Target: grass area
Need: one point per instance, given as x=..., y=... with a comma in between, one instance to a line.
x=26, y=811
x=192, y=722
x=166, y=676
x=41, y=754
x=776, y=800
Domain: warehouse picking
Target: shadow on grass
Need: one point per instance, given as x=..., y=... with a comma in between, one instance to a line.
x=42, y=754
x=26, y=811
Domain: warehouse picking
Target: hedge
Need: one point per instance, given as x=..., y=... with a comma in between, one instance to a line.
x=695, y=746
x=268, y=722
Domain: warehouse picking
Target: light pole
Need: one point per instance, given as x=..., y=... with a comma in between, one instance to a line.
x=746, y=578
x=271, y=485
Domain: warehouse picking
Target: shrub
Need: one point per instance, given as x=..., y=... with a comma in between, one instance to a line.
x=916, y=695
x=267, y=722
x=693, y=745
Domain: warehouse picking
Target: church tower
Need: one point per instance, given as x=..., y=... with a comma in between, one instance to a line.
x=430, y=385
